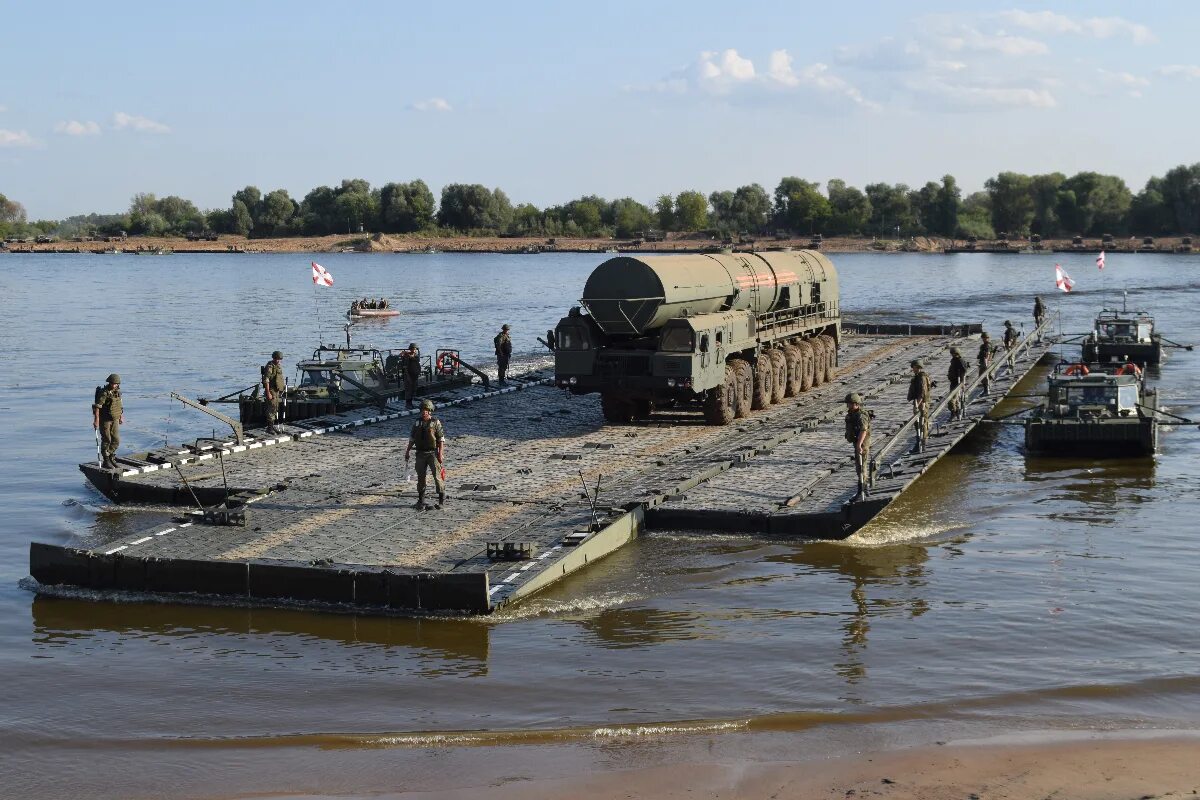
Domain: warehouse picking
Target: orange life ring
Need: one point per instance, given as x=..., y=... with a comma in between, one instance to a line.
x=1130, y=369
x=445, y=363
x=1077, y=369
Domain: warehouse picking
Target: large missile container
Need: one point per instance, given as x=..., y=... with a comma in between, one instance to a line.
x=726, y=333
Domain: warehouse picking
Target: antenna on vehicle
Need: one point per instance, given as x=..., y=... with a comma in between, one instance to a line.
x=346, y=327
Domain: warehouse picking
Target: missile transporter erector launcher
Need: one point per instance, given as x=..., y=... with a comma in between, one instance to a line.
x=724, y=332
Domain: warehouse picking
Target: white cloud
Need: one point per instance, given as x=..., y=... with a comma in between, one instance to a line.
x=1124, y=81
x=76, y=128
x=1049, y=22
x=123, y=121
x=962, y=96
x=432, y=104
x=727, y=72
x=1189, y=72
x=16, y=139
x=963, y=38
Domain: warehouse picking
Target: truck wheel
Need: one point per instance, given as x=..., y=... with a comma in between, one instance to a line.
x=719, y=401
x=617, y=410
x=779, y=378
x=807, y=360
x=764, y=383
x=831, y=354
x=795, y=369
x=819, y=360
x=744, y=387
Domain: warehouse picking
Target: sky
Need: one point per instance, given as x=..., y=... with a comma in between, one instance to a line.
x=551, y=101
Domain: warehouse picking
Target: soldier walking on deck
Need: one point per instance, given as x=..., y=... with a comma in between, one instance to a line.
x=957, y=375
x=858, y=433
x=1039, y=316
x=108, y=415
x=410, y=370
x=274, y=387
x=918, y=395
x=1010, y=342
x=503, y=344
x=984, y=359
x=429, y=438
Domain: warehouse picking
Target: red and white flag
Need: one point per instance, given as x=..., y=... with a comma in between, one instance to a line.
x=321, y=276
x=1100, y=260
x=1062, y=280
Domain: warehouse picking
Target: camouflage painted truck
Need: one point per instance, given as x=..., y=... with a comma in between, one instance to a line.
x=724, y=333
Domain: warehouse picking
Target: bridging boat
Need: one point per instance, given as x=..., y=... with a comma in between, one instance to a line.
x=1097, y=409
x=1123, y=336
x=371, y=309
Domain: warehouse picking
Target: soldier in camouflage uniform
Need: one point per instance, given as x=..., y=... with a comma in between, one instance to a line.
x=984, y=359
x=503, y=344
x=858, y=433
x=410, y=370
x=957, y=375
x=429, y=438
x=108, y=415
x=274, y=386
x=1039, y=315
x=919, y=392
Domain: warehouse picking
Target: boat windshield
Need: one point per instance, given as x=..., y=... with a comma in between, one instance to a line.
x=1092, y=396
x=1143, y=332
x=1116, y=330
x=315, y=377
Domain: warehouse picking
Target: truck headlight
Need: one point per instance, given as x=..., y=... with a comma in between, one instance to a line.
x=671, y=382
x=573, y=380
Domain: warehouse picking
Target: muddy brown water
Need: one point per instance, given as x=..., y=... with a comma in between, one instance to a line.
x=1002, y=593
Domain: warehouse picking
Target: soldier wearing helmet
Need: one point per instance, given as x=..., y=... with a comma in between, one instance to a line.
x=1010, y=335
x=274, y=387
x=957, y=375
x=410, y=370
x=108, y=415
x=503, y=343
x=858, y=434
x=919, y=392
x=984, y=359
x=429, y=438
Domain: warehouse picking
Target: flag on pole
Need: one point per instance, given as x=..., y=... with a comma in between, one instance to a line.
x=1062, y=280
x=321, y=276
x=1100, y=260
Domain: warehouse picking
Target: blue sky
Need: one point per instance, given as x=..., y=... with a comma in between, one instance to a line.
x=550, y=101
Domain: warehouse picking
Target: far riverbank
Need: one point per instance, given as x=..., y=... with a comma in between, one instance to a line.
x=674, y=243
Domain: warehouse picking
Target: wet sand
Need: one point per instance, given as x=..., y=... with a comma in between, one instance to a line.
x=1102, y=769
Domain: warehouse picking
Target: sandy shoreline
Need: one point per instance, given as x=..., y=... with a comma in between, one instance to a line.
x=1093, y=769
x=386, y=243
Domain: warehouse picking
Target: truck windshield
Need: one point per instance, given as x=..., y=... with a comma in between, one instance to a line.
x=1092, y=396
x=676, y=339
x=570, y=337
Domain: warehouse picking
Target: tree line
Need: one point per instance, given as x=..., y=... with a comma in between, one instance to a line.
x=1050, y=205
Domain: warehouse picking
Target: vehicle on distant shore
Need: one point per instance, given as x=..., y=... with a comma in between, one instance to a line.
x=723, y=333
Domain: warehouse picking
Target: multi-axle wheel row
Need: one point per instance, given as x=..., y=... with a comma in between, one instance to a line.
x=780, y=372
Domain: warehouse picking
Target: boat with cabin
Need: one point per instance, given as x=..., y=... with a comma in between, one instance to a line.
x=1120, y=336
x=1094, y=409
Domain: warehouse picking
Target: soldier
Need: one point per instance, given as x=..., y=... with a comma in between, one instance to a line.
x=410, y=370
x=858, y=433
x=918, y=394
x=1010, y=336
x=1039, y=311
x=429, y=438
x=503, y=344
x=274, y=387
x=957, y=375
x=108, y=415
x=984, y=359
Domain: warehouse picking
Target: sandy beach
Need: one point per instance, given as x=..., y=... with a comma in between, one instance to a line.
x=1091, y=769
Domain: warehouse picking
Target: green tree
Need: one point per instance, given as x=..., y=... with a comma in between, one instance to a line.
x=949, y=201
x=467, y=207
x=629, y=217
x=275, y=218
x=691, y=211
x=1181, y=194
x=1149, y=212
x=745, y=209
x=319, y=216
x=664, y=212
x=251, y=198
x=406, y=207
x=800, y=206
x=924, y=202
x=527, y=220
x=1012, y=202
x=975, y=217
x=241, y=221
x=12, y=216
x=1092, y=204
x=851, y=208
x=1046, y=191
x=891, y=209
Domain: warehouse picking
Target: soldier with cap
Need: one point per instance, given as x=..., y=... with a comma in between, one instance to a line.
x=858, y=433
x=108, y=415
x=957, y=375
x=274, y=386
x=1010, y=336
x=410, y=371
x=984, y=359
x=429, y=438
x=919, y=390
x=503, y=344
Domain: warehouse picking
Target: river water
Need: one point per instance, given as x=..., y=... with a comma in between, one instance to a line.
x=1004, y=593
